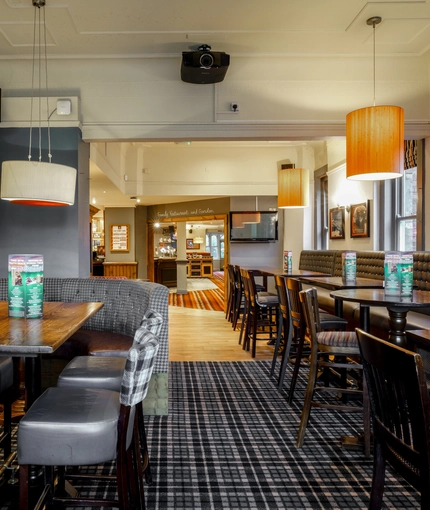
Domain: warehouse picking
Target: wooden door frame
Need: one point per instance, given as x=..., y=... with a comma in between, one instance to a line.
x=196, y=219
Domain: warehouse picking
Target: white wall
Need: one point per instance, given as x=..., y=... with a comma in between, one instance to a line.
x=280, y=97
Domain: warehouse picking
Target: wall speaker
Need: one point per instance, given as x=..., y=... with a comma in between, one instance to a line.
x=204, y=66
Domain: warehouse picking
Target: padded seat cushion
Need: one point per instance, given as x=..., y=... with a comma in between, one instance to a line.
x=267, y=299
x=328, y=321
x=338, y=339
x=88, y=341
x=49, y=434
x=6, y=373
x=93, y=372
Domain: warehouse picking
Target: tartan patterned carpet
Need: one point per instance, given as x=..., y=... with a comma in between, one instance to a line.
x=229, y=443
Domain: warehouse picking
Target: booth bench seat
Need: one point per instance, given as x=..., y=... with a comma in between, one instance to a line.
x=370, y=264
x=111, y=328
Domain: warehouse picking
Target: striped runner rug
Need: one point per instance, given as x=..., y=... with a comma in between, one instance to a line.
x=211, y=299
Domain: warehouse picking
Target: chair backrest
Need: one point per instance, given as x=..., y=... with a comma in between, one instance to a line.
x=247, y=287
x=309, y=302
x=152, y=321
x=252, y=286
x=138, y=368
x=281, y=288
x=231, y=275
x=294, y=287
x=400, y=408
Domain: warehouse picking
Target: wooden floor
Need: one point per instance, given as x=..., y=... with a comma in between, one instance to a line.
x=200, y=335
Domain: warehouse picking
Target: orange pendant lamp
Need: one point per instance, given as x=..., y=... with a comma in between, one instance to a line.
x=375, y=137
x=293, y=187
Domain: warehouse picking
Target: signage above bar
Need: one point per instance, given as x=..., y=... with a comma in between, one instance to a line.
x=189, y=209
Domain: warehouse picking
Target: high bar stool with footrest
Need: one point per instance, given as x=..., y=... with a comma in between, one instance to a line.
x=289, y=289
x=399, y=402
x=7, y=395
x=106, y=372
x=78, y=426
x=261, y=319
x=329, y=350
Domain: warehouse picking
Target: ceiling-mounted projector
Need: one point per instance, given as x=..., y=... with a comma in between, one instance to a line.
x=204, y=66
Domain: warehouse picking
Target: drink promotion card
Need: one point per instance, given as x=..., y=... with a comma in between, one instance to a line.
x=392, y=273
x=288, y=261
x=349, y=266
x=25, y=286
x=406, y=273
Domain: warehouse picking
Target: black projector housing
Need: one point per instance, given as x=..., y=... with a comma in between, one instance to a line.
x=204, y=66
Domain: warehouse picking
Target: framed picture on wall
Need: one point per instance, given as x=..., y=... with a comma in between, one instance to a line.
x=337, y=223
x=359, y=216
x=119, y=238
x=191, y=245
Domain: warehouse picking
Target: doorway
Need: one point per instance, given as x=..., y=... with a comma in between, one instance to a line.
x=215, y=245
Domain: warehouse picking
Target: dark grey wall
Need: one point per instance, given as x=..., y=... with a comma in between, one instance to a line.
x=60, y=234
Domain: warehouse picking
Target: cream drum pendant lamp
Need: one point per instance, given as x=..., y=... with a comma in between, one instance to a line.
x=293, y=187
x=37, y=182
x=375, y=137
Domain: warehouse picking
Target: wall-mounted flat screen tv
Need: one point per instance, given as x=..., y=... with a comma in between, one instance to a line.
x=253, y=226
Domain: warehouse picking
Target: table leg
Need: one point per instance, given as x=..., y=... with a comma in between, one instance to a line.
x=365, y=318
x=397, y=331
x=33, y=379
x=338, y=307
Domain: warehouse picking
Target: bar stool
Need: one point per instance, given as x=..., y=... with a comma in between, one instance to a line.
x=229, y=314
x=339, y=346
x=6, y=399
x=77, y=426
x=327, y=322
x=241, y=304
x=106, y=372
x=261, y=318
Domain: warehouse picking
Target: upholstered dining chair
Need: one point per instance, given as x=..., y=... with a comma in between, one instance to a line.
x=337, y=350
x=75, y=426
x=400, y=409
x=106, y=372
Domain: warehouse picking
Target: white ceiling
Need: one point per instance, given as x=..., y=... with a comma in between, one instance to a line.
x=243, y=27
x=161, y=28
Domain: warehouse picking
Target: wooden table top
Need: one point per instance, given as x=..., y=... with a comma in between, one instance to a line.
x=377, y=297
x=337, y=282
x=294, y=273
x=31, y=337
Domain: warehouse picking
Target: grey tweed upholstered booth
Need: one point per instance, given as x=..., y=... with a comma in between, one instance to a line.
x=112, y=329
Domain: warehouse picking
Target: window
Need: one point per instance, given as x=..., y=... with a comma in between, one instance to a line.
x=400, y=204
x=406, y=210
x=321, y=209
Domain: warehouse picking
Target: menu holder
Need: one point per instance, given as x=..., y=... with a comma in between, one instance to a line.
x=392, y=264
x=25, y=286
x=406, y=274
x=288, y=261
x=349, y=266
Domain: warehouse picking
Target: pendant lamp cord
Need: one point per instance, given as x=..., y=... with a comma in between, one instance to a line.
x=40, y=23
x=46, y=86
x=374, y=64
x=32, y=85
